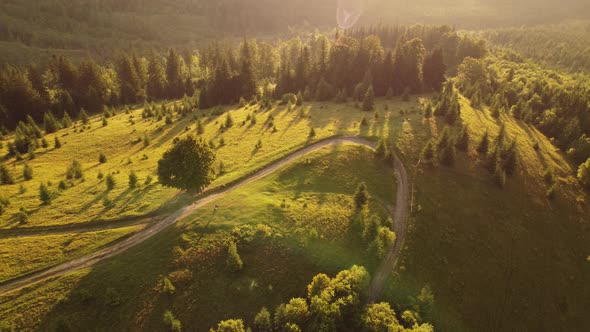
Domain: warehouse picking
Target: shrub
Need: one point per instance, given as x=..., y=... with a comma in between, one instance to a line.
x=105, y=122
x=262, y=322
x=44, y=194
x=146, y=140
x=364, y=122
x=171, y=322
x=361, y=196
x=44, y=143
x=133, y=180
x=74, y=171
x=234, y=262
x=229, y=122
x=27, y=172
x=5, y=176
x=110, y=182
x=22, y=216
x=312, y=133
x=102, y=158
x=62, y=185
x=107, y=202
x=584, y=173
x=369, y=100
x=84, y=116
x=148, y=180
x=4, y=203
x=168, y=287
x=57, y=143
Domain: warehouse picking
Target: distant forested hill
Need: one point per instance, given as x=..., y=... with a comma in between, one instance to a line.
x=97, y=27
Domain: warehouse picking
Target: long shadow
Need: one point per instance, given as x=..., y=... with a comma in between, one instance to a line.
x=103, y=299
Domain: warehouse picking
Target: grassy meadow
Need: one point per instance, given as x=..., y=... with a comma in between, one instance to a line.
x=22, y=255
x=298, y=216
x=121, y=140
x=490, y=252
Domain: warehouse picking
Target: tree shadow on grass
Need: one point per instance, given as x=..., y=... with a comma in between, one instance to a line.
x=116, y=291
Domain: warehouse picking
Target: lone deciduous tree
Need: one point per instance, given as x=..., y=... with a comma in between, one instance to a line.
x=187, y=165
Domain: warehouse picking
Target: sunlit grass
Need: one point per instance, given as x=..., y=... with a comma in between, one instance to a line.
x=22, y=255
x=121, y=142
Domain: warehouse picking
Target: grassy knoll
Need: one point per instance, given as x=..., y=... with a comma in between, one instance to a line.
x=122, y=143
x=22, y=255
x=288, y=226
x=491, y=253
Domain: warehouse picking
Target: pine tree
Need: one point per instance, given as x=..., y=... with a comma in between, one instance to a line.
x=484, y=144
x=44, y=194
x=27, y=172
x=462, y=141
x=57, y=143
x=361, y=196
x=369, y=100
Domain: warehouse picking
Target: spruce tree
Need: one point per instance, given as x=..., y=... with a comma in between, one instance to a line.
x=369, y=100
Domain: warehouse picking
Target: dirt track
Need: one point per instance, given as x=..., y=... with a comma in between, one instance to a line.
x=377, y=283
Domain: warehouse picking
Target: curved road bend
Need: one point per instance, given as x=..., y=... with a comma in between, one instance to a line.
x=377, y=283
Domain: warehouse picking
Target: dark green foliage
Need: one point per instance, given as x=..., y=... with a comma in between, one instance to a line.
x=462, y=141
x=146, y=140
x=62, y=185
x=445, y=148
x=66, y=121
x=229, y=122
x=102, y=158
x=110, y=182
x=133, y=180
x=5, y=175
x=27, y=172
x=361, y=196
x=44, y=194
x=434, y=70
x=57, y=143
x=234, y=261
x=4, y=204
x=105, y=122
x=50, y=123
x=200, y=128
x=22, y=216
x=428, y=153
x=369, y=100
x=312, y=133
x=484, y=144
x=381, y=149
x=84, y=116
x=187, y=165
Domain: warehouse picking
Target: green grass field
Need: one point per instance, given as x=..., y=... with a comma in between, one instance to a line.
x=489, y=253
x=22, y=255
x=486, y=252
x=300, y=217
x=239, y=156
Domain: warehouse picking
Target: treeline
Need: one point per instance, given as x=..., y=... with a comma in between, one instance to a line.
x=335, y=304
x=557, y=104
x=318, y=68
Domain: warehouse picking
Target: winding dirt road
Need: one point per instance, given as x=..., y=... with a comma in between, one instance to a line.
x=209, y=196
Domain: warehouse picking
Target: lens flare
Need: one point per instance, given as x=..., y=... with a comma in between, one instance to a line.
x=349, y=12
